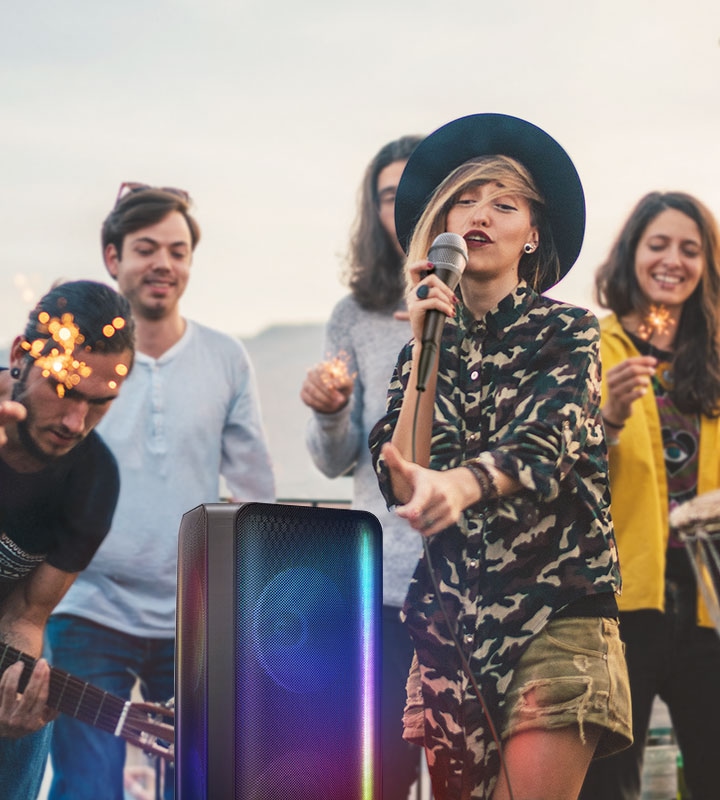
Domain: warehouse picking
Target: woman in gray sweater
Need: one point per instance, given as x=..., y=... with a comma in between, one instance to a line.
x=347, y=394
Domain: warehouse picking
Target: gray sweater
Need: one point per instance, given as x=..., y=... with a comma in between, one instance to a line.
x=371, y=341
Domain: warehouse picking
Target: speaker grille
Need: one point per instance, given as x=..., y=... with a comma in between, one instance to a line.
x=304, y=652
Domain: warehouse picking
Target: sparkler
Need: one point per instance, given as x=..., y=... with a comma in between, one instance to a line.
x=60, y=362
x=657, y=321
x=335, y=370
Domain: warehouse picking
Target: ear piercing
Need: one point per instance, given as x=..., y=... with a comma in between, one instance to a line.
x=529, y=247
x=15, y=372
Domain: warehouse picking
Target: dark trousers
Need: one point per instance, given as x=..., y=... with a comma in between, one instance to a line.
x=400, y=759
x=668, y=655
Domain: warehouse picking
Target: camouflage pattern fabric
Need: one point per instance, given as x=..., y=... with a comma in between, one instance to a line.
x=519, y=389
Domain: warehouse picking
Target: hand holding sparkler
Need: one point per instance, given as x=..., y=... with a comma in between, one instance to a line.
x=328, y=385
x=630, y=380
x=626, y=382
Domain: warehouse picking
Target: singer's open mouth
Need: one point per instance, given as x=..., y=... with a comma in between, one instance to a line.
x=477, y=238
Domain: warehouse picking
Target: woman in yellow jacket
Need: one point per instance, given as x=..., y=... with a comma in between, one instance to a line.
x=660, y=353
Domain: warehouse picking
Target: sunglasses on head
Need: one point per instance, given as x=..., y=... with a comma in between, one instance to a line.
x=131, y=187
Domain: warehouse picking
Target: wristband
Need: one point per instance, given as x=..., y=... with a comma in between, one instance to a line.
x=617, y=425
x=485, y=479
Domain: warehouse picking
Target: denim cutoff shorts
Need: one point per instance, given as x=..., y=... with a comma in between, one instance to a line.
x=573, y=673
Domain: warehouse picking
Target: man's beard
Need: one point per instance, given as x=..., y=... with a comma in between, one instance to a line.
x=26, y=440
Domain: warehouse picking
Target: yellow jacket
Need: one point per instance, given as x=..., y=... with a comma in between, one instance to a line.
x=638, y=485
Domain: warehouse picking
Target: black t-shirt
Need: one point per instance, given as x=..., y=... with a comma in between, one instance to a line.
x=60, y=514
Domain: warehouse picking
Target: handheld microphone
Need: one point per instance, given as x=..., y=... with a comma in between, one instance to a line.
x=448, y=253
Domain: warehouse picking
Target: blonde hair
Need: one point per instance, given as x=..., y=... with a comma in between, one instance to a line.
x=537, y=267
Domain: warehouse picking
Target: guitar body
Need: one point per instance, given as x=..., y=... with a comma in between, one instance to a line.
x=148, y=726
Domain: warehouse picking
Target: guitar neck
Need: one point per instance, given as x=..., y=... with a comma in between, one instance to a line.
x=71, y=695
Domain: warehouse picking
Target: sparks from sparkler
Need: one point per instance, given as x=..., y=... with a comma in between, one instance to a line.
x=335, y=370
x=658, y=320
x=29, y=288
x=60, y=363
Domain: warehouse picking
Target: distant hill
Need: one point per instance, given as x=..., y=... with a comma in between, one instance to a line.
x=281, y=356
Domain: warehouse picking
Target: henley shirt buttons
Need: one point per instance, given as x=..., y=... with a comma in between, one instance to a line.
x=474, y=375
x=474, y=563
x=468, y=639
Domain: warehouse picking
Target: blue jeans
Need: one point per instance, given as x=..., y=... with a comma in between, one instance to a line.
x=87, y=762
x=22, y=764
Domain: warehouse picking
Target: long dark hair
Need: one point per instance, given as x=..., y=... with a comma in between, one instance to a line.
x=375, y=267
x=696, y=360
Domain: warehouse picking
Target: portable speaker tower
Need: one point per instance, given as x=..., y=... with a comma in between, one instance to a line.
x=277, y=676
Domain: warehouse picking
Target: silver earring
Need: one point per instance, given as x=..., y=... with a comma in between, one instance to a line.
x=529, y=247
x=15, y=372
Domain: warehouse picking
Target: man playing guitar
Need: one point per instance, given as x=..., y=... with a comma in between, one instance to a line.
x=58, y=491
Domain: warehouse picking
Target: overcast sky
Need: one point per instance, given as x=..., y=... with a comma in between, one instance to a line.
x=267, y=113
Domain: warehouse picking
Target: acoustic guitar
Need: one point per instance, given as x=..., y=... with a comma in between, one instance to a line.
x=149, y=726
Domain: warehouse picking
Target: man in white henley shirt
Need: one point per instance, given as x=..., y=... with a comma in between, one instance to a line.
x=189, y=414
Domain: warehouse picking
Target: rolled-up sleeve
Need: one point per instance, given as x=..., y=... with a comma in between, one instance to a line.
x=556, y=411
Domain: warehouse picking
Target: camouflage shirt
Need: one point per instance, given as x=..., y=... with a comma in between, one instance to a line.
x=519, y=389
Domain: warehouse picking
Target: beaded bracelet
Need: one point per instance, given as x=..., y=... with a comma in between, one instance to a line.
x=485, y=479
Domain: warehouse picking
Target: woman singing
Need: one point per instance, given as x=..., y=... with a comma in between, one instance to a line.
x=501, y=465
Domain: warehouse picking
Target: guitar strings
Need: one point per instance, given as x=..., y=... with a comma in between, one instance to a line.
x=85, y=702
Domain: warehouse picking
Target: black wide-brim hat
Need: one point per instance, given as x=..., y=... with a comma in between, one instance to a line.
x=496, y=134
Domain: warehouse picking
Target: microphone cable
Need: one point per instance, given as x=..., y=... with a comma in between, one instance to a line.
x=463, y=660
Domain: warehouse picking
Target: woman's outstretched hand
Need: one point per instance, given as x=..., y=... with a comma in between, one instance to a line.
x=432, y=499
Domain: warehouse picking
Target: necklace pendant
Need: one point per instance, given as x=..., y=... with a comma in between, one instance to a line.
x=664, y=375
